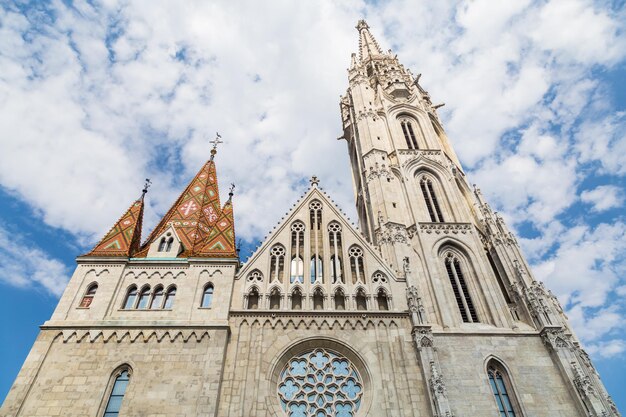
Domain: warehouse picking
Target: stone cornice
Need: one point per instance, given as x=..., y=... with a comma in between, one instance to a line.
x=446, y=228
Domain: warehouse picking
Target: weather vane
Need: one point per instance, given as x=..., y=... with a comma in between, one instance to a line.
x=146, y=185
x=215, y=142
x=232, y=189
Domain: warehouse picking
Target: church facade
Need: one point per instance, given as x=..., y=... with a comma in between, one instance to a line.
x=429, y=310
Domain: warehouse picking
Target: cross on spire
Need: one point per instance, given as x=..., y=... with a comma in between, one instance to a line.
x=215, y=142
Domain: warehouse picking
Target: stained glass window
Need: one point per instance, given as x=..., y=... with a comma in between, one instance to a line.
x=320, y=383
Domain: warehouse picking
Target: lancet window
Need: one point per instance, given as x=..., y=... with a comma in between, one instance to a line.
x=157, y=298
x=114, y=403
x=169, y=298
x=430, y=198
x=334, y=235
x=318, y=299
x=297, y=253
x=381, y=299
x=277, y=263
x=253, y=299
x=296, y=299
x=275, y=299
x=356, y=264
x=501, y=388
x=144, y=296
x=89, y=295
x=361, y=300
x=409, y=133
x=207, y=296
x=317, y=251
x=131, y=296
x=340, y=300
x=459, y=287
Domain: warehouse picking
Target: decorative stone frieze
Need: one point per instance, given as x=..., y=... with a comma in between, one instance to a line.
x=445, y=228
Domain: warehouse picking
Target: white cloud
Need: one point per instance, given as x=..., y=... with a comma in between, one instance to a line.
x=603, y=197
x=25, y=266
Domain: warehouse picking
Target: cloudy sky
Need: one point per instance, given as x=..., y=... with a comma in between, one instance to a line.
x=97, y=96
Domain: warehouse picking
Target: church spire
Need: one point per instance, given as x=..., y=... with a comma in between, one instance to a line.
x=368, y=46
x=124, y=238
x=220, y=240
x=195, y=214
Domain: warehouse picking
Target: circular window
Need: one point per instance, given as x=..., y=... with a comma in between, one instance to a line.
x=320, y=383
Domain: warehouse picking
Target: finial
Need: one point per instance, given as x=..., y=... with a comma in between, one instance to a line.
x=314, y=181
x=231, y=189
x=215, y=142
x=146, y=185
x=362, y=24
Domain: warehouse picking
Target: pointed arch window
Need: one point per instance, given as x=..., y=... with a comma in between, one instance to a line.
x=157, y=298
x=253, y=299
x=361, y=300
x=383, y=302
x=296, y=300
x=340, y=300
x=277, y=263
x=169, y=298
x=297, y=253
x=317, y=242
x=162, y=244
x=144, y=297
x=131, y=297
x=207, y=296
x=459, y=287
x=275, y=299
x=356, y=264
x=502, y=390
x=114, y=403
x=89, y=295
x=409, y=133
x=430, y=198
x=334, y=235
x=170, y=242
x=318, y=300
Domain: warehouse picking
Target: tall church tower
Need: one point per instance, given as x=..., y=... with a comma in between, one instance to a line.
x=469, y=289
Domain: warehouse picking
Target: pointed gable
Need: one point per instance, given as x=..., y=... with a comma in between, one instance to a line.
x=300, y=212
x=204, y=229
x=125, y=236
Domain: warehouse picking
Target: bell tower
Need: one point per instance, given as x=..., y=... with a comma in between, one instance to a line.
x=464, y=270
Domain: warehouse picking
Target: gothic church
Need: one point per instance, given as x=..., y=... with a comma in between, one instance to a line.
x=429, y=310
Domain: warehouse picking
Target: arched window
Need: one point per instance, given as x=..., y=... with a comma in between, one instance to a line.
x=131, y=296
x=459, y=286
x=275, y=299
x=340, y=300
x=163, y=245
x=157, y=298
x=144, y=297
x=169, y=298
x=409, y=133
x=318, y=300
x=255, y=276
x=502, y=389
x=253, y=299
x=297, y=253
x=381, y=298
x=361, y=300
x=334, y=235
x=317, y=242
x=89, y=294
x=170, y=242
x=207, y=296
x=356, y=264
x=277, y=263
x=114, y=403
x=316, y=268
x=379, y=278
x=296, y=300
x=432, y=204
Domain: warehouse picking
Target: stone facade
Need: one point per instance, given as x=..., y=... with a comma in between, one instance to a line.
x=429, y=310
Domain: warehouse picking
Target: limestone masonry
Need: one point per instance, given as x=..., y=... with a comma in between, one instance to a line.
x=430, y=310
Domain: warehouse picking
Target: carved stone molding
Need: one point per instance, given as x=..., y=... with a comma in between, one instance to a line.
x=555, y=338
x=325, y=321
x=423, y=337
x=133, y=335
x=392, y=233
x=446, y=228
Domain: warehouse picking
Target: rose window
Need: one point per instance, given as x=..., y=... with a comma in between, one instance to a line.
x=320, y=383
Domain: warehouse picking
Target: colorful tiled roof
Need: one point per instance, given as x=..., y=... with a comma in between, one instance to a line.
x=125, y=236
x=200, y=223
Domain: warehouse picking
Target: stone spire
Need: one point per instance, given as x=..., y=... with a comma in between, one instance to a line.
x=368, y=46
x=124, y=237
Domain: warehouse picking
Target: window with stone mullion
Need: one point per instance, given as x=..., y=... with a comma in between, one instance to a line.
x=427, y=200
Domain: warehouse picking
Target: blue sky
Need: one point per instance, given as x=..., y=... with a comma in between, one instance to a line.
x=97, y=96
